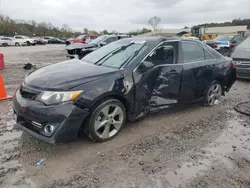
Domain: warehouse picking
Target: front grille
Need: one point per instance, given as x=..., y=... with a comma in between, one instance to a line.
x=243, y=65
x=28, y=93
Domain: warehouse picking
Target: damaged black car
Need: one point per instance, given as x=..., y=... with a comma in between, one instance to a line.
x=79, y=50
x=124, y=80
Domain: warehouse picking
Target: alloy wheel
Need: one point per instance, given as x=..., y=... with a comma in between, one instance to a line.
x=109, y=121
x=214, y=94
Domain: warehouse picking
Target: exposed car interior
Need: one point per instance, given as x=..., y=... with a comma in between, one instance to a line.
x=162, y=55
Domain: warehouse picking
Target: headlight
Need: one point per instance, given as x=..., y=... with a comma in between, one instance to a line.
x=51, y=97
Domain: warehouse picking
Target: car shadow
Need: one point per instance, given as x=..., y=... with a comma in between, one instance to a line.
x=83, y=142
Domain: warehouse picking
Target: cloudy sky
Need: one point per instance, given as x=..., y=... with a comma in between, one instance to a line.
x=125, y=15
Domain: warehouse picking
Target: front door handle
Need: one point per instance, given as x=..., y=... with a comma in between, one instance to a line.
x=213, y=66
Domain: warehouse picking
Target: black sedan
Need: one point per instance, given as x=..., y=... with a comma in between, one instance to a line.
x=126, y=79
x=79, y=50
x=241, y=56
x=56, y=41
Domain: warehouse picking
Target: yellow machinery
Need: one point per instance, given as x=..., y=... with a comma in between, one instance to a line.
x=200, y=33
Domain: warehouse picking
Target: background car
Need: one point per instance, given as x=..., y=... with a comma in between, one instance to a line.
x=26, y=39
x=82, y=39
x=46, y=38
x=241, y=56
x=126, y=79
x=40, y=40
x=55, y=41
x=80, y=50
x=223, y=43
x=8, y=41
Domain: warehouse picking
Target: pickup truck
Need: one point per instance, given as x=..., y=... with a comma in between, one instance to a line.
x=28, y=40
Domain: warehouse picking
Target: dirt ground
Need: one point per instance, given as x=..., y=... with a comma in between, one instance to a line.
x=190, y=146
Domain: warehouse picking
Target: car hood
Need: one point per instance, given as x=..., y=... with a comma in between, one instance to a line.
x=79, y=46
x=241, y=53
x=66, y=75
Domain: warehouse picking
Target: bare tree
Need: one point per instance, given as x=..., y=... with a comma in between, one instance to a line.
x=154, y=22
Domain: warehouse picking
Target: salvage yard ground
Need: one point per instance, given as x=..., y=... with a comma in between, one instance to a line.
x=192, y=146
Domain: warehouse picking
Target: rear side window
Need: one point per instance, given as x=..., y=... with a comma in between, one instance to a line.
x=192, y=52
x=216, y=54
x=208, y=56
x=111, y=39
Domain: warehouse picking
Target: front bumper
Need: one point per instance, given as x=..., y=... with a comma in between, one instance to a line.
x=243, y=73
x=33, y=116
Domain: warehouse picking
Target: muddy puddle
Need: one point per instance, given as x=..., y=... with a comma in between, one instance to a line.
x=233, y=141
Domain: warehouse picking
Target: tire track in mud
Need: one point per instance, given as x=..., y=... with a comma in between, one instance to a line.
x=12, y=173
x=171, y=159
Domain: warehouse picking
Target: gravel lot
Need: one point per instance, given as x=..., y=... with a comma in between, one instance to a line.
x=189, y=146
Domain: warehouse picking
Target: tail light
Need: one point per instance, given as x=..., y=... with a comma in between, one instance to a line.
x=234, y=64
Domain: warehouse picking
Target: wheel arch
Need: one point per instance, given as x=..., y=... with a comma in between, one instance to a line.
x=222, y=81
x=120, y=98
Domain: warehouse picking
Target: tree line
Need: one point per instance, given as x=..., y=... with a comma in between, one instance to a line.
x=234, y=22
x=10, y=27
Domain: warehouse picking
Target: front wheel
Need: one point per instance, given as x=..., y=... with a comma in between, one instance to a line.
x=106, y=120
x=213, y=94
x=17, y=44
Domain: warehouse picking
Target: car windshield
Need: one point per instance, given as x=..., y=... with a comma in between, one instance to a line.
x=97, y=40
x=114, y=54
x=224, y=38
x=80, y=37
x=245, y=44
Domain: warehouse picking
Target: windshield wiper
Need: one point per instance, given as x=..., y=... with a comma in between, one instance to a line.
x=132, y=56
x=110, y=54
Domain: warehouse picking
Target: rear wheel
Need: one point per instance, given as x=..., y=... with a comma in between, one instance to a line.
x=106, y=120
x=213, y=94
x=28, y=43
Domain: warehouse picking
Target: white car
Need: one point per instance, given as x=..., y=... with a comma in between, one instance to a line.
x=8, y=41
x=28, y=40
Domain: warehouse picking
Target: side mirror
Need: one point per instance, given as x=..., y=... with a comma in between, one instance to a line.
x=103, y=43
x=145, y=66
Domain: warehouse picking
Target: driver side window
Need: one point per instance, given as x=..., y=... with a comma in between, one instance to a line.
x=164, y=54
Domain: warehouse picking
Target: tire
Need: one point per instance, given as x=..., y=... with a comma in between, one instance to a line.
x=213, y=94
x=5, y=44
x=99, y=124
x=28, y=43
x=17, y=44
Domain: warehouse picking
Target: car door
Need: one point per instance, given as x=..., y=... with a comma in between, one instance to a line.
x=158, y=86
x=12, y=42
x=198, y=66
